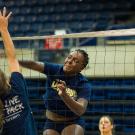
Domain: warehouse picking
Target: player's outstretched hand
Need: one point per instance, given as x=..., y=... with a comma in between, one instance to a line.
x=4, y=17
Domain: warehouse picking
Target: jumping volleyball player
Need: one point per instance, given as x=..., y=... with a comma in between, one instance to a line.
x=67, y=93
x=18, y=119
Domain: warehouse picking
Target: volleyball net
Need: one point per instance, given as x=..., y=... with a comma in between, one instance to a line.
x=112, y=55
x=112, y=52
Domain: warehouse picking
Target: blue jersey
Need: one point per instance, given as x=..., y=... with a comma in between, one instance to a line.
x=18, y=115
x=77, y=87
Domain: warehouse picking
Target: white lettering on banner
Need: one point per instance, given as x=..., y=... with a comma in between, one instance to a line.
x=13, y=108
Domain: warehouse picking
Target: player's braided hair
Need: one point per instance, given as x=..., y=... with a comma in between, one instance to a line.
x=85, y=55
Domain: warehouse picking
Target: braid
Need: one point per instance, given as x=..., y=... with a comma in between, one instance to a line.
x=85, y=55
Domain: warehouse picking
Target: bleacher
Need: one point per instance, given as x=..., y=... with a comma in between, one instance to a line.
x=31, y=17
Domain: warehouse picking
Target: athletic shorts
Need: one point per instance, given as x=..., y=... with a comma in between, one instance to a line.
x=59, y=126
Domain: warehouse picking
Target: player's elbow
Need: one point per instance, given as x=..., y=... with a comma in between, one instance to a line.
x=83, y=106
x=81, y=111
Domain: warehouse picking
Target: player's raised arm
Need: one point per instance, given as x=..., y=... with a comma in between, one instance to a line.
x=8, y=43
x=37, y=66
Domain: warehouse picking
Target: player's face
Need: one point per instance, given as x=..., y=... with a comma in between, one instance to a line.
x=105, y=125
x=73, y=63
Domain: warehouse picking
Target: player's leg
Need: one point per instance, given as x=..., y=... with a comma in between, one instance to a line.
x=73, y=129
x=50, y=132
x=51, y=128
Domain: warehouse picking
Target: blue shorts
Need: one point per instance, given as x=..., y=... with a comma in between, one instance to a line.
x=59, y=126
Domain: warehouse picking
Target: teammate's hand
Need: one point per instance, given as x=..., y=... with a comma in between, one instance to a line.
x=4, y=17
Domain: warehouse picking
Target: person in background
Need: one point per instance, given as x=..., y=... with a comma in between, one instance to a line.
x=106, y=125
x=18, y=118
x=67, y=93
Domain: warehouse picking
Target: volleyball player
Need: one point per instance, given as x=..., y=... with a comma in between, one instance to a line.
x=106, y=125
x=18, y=119
x=67, y=93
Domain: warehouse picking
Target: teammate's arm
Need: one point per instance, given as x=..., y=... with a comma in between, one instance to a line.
x=8, y=43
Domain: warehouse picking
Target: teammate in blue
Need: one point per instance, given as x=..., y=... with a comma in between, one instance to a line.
x=18, y=118
x=67, y=93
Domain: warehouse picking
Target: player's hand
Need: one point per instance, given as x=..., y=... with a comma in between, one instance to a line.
x=61, y=87
x=4, y=17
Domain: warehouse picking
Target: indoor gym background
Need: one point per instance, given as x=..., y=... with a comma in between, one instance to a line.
x=113, y=84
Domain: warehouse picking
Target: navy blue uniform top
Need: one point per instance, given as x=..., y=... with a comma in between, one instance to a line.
x=18, y=114
x=77, y=87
